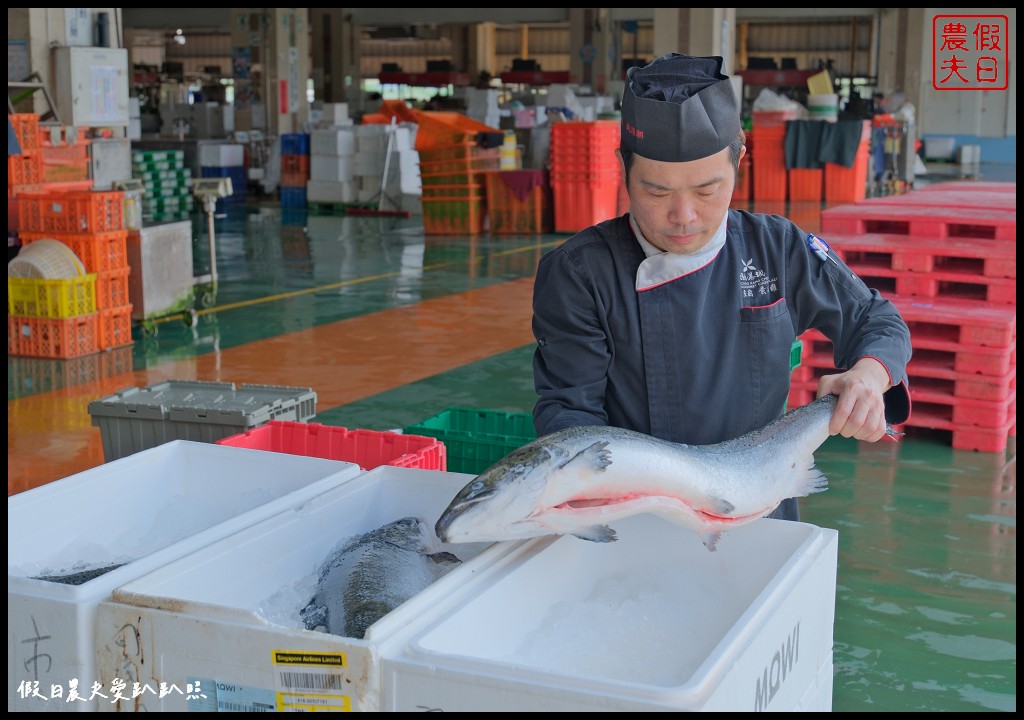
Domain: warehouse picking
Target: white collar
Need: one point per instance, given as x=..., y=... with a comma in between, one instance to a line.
x=661, y=267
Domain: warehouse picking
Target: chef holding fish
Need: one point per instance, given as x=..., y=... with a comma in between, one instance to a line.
x=676, y=320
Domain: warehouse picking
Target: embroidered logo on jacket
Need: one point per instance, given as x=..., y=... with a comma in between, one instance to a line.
x=755, y=284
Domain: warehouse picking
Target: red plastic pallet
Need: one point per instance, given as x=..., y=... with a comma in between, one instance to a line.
x=981, y=360
x=928, y=374
x=931, y=416
x=962, y=322
x=945, y=285
x=948, y=198
x=907, y=253
x=933, y=222
x=970, y=186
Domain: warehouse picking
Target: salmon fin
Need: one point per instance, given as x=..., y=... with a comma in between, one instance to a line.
x=721, y=506
x=596, y=456
x=812, y=481
x=597, y=533
x=710, y=539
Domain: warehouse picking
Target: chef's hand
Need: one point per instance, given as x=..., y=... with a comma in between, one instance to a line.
x=860, y=412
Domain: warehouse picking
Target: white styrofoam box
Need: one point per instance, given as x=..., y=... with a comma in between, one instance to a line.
x=402, y=141
x=968, y=154
x=332, y=141
x=653, y=621
x=818, y=697
x=335, y=114
x=143, y=510
x=221, y=155
x=333, y=168
x=939, y=148
x=369, y=163
x=372, y=138
x=227, y=617
x=134, y=129
x=325, y=191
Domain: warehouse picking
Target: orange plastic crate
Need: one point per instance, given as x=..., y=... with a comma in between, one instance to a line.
x=72, y=212
x=843, y=184
x=580, y=203
x=294, y=170
x=367, y=448
x=453, y=216
x=52, y=337
x=115, y=327
x=769, y=172
x=742, y=189
x=24, y=169
x=26, y=128
x=470, y=191
x=805, y=183
x=99, y=252
x=510, y=213
x=112, y=288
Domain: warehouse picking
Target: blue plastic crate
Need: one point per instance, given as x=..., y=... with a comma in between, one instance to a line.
x=295, y=144
x=293, y=197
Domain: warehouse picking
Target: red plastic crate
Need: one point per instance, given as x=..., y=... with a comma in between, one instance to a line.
x=24, y=169
x=805, y=184
x=848, y=184
x=769, y=174
x=366, y=448
x=57, y=338
x=742, y=190
x=581, y=203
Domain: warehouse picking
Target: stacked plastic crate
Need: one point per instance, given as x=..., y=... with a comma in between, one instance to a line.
x=294, y=169
x=849, y=184
x=92, y=225
x=585, y=173
x=50, y=316
x=768, y=159
x=166, y=184
x=217, y=160
x=65, y=152
x=946, y=257
x=519, y=201
x=453, y=167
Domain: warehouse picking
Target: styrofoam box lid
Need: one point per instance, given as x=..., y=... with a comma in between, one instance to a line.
x=678, y=619
x=149, y=508
x=285, y=551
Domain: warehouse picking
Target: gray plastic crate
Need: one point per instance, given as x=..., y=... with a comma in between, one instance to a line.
x=137, y=419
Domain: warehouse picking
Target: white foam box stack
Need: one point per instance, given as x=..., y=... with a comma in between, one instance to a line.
x=144, y=511
x=653, y=621
x=224, y=620
x=332, y=153
x=219, y=155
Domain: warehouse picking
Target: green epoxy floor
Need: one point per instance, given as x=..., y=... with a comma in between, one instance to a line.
x=926, y=595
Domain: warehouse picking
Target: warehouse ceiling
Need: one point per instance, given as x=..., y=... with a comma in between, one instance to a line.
x=189, y=18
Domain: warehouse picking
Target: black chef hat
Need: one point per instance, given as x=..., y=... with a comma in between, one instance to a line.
x=679, y=108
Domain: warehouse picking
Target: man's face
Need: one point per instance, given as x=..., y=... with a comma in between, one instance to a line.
x=680, y=205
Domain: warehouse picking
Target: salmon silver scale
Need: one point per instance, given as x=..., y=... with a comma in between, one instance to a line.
x=579, y=480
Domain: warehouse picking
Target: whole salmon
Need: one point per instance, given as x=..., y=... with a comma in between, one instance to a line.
x=578, y=480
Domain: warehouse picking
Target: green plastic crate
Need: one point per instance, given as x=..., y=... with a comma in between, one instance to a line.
x=476, y=439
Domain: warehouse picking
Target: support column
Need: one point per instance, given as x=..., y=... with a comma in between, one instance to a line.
x=697, y=31
x=328, y=50
x=482, y=52
x=591, y=43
